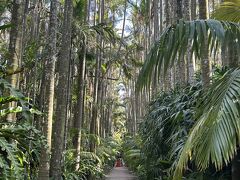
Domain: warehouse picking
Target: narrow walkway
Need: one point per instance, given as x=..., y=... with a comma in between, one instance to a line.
x=120, y=173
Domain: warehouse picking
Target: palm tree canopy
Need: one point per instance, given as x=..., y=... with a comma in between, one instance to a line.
x=176, y=40
x=228, y=11
x=216, y=135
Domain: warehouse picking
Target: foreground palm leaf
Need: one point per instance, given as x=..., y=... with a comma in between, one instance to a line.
x=176, y=40
x=228, y=11
x=216, y=135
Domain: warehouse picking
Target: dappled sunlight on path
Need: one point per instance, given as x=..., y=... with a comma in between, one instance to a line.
x=120, y=173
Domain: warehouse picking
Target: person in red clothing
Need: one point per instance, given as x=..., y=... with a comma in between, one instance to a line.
x=118, y=161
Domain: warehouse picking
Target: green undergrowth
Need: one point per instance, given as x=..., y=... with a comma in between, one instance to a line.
x=92, y=165
x=154, y=152
x=20, y=141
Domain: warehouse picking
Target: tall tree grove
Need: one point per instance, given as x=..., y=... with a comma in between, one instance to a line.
x=84, y=82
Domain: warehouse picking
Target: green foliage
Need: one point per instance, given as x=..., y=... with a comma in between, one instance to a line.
x=5, y=26
x=3, y=5
x=23, y=106
x=132, y=153
x=218, y=121
x=79, y=9
x=20, y=148
x=30, y=54
x=176, y=135
x=144, y=10
x=176, y=39
x=83, y=31
x=105, y=31
x=165, y=129
x=229, y=10
x=20, y=142
x=91, y=164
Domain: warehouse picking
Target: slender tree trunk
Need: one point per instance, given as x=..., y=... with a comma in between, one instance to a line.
x=156, y=19
x=102, y=81
x=233, y=58
x=224, y=56
x=168, y=77
x=135, y=107
x=69, y=100
x=189, y=58
x=156, y=34
x=94, y=126
x=61, y=90
x=78, y=115
x=49, y=83
x=161, y=16
x=205, y=63
x=15, y=49
x=193, y=9
x=181, y=65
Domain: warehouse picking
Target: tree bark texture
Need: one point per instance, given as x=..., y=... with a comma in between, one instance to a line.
x=15, y=49
x=78, y=116
x=205, y=63
x=61, y=94
x=49, y=81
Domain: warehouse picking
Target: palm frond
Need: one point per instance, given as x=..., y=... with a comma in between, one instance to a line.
x=216, y=135
x=176, y=40
x=228, y=11
x=133, y=153
x=90, y=155
x=5, y=26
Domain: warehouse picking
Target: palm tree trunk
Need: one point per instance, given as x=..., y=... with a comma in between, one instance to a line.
x=167, y=80
x=49, y=83
x=205, y=63
x=61, y=91
x=233, y=58
x=193, y=9
x=15, y=49
x=189, y=58
x=155, y=35
x=78, y=115
x=94, y=126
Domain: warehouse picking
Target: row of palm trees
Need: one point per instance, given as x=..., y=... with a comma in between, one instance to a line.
x=214, y=138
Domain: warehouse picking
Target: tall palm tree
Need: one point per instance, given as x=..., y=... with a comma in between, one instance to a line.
x=215, y=136
x=15, y=48
x=49, y=91
x=205, y=63
x=61, y=94
x=176, y=39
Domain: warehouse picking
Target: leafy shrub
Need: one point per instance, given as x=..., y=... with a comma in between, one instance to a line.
x=20, y=142
x=91, y=164
x=154, y=153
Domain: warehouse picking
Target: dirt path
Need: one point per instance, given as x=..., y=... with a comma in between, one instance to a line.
x=120, y=173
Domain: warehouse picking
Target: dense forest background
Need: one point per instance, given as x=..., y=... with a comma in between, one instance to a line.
x=83, y=80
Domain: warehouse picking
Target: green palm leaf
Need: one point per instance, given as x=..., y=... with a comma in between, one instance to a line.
x=216, y=135
x=228, y=11
x=133, y=153
x=5, y=26
x=176, y=39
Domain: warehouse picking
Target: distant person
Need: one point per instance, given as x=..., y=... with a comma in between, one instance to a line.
x=119, y=160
